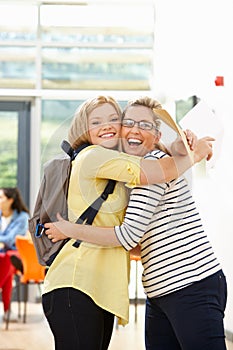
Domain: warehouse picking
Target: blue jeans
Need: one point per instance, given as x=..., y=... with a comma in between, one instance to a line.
x=189, y=319
x=76, y=322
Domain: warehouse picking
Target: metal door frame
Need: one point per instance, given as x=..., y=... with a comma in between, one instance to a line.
x=24, y=155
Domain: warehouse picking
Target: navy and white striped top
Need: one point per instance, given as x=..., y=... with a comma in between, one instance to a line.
x=175, y=250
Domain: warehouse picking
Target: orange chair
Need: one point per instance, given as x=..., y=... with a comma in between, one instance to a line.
x=33, y=272
x=135, y=257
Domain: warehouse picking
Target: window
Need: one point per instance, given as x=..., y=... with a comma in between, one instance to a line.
x=57, y=54
x=97, y=46
x=8, y=148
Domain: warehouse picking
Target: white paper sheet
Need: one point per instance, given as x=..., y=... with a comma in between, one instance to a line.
x=203, y=121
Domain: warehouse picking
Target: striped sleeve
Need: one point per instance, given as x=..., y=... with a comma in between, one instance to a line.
x=141, y=207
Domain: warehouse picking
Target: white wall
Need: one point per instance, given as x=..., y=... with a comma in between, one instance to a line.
x=193, y=46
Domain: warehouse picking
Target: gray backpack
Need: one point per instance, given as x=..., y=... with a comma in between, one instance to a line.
x=52, y=199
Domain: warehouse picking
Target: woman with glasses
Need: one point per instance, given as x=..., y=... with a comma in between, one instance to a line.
x=86, y=287
x=182, y=278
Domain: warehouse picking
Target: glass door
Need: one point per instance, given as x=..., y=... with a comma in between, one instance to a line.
x=15, y=146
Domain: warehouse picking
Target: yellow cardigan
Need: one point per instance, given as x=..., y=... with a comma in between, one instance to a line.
x=100, y=272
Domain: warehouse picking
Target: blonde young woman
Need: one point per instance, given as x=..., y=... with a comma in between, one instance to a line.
x=86, y=287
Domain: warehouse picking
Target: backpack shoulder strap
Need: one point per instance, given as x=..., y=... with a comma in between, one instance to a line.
x=68, y=149
x=87, y=217
x=89, y=214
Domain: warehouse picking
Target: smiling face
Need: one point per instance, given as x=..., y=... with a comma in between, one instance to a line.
x=136, y=141
x=104, y=126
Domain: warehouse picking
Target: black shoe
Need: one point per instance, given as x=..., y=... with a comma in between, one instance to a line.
x=17, y=263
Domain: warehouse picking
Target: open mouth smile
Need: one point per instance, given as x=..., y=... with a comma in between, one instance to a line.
x=134, y=142
x=108, y=135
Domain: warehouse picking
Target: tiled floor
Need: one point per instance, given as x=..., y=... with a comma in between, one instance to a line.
x=35, y=334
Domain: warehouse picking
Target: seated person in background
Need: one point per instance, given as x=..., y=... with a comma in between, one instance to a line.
x=14, y=216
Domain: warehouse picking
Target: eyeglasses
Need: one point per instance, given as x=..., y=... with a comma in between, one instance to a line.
x=129, y=123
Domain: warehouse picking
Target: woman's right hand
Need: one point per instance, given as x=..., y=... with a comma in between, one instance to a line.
x=54, y=230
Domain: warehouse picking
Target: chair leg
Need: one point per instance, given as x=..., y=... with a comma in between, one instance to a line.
x=7, y=320
x=17, y=287
x=136, y=294
x=116, y=322
x=25, y=302
x=40, y=289
x=18, y=294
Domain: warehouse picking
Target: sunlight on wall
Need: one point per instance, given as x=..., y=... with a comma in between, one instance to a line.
x=193, y=48
x=192, y=45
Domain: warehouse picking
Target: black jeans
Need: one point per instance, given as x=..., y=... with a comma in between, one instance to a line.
x=189, y=319
x=76, y=322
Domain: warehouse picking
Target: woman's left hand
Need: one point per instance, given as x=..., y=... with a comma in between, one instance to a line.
x=178, y=147
x=191, y=139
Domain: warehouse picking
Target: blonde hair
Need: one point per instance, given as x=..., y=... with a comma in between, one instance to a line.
x=151, y=104
x=78, y=132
